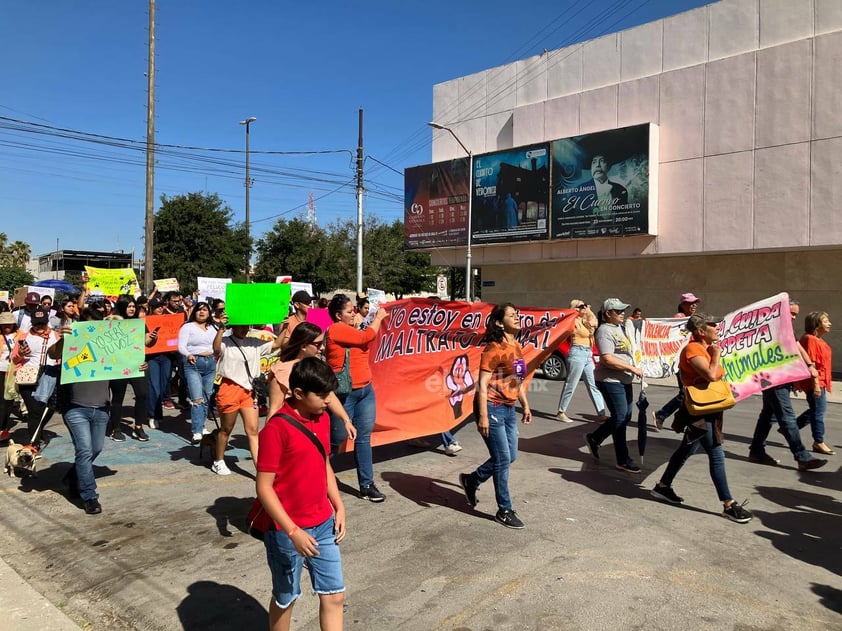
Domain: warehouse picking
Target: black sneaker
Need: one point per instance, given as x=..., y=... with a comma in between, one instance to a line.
x=736, y=512
x=372, y=494
x=813, y=463
x=469, y=487
x=93, y=507
x=628, y=466
x=593, y=445
x=509, y=519
x=117, y=436
x=666, y=493
x=763, y=458
x=139, y=434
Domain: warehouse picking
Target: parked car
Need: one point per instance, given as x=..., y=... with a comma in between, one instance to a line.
x=554, y=367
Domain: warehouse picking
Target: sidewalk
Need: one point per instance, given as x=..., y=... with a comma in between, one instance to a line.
x=24, y=609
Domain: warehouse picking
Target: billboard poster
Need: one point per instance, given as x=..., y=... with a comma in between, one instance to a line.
x=436, y=204
x=601, y=184
x=511, y=195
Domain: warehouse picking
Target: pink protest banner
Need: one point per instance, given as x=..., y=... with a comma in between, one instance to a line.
x=759, y=349
x=319, y=317
x=425, y=361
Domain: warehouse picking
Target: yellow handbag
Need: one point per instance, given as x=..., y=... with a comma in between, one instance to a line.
x=708, y=398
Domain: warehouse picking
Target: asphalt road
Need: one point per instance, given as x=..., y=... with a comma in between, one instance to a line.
x=170, y=551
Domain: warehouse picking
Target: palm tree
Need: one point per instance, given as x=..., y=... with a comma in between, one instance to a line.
x=18, y=254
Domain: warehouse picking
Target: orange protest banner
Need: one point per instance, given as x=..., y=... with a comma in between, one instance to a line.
x=167, y=327
x=425, y=362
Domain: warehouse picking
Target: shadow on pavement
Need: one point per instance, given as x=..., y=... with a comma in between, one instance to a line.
x=808, y=531
x=230, y=511
x=830, y=597
x=213, y=606
x=427, y=492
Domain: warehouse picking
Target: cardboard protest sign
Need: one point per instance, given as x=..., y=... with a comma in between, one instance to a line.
x=759, y=349
x=209, y=288
x=105, y=349
x=164, y=285
x=168, y=327
x=112, y=282
x=425, y=361
x=661, y=345
x=319, y=317
x=256, y=303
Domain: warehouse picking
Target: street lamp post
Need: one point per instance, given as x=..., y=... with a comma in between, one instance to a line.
x=468, y=277
x=248, y=122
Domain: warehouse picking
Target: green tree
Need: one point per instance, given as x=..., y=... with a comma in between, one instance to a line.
x=327, y=258
x=13, y=254
x=13, y=277
x=293, y=248
x=195, y=236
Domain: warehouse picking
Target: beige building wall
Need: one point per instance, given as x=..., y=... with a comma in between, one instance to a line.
x=724, y=282
x=747, y=96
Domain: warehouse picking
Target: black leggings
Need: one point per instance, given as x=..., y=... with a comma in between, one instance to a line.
x=141, y=394
x=35, y=410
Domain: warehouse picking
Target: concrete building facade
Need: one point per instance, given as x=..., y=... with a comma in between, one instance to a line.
x=747, y=95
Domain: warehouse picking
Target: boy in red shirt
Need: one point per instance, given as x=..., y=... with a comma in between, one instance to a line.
x=298, y=490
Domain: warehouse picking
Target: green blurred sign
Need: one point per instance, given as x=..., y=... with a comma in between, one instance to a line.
x=256, y=303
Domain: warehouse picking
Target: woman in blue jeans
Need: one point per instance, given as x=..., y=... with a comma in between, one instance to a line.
x=360, y=404
x=699, y=363
x=195, y=344
x=580, y=363
x=501, y=373
x=614, y=375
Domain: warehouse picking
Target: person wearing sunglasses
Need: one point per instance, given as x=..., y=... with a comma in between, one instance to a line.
x=306, y=340
x=614, y=375
x=580, y=363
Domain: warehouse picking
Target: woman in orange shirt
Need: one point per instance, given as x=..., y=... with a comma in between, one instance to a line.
x=816, y=325
x=501, y=373
x=360, y=403
x=700, y=363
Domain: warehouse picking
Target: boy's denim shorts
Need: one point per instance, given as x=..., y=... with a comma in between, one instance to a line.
x=285, y=564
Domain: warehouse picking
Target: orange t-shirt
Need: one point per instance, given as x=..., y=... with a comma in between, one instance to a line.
x=508, y=370
x=341, y=336
x=688, y=373
x=820, y=354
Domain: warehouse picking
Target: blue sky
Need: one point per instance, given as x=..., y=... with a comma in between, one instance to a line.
x=302, y=68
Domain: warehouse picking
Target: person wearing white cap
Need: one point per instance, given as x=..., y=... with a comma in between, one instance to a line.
x=614, y=375
x=687, y=305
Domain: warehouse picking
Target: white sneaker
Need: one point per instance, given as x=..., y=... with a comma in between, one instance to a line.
x=561, y=416
x=197, y=437
x=205, y=431
x=220, y=468
x=452, y=449
x=153, y=424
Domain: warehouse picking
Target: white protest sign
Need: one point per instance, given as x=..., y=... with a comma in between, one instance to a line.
x=376, y=297
x=209, y=288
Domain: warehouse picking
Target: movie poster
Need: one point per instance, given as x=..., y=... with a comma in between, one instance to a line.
x=601, y=183
x=436, y=204
x=511, y=195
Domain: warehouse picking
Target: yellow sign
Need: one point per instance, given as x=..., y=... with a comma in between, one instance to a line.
x=112, y=282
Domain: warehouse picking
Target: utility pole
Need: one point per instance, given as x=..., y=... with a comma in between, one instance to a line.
x=360, y=208
x=247, y=123
x=149, y=232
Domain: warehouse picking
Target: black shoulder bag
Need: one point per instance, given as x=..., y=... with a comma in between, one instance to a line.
x=259, y=386
x=258, y=518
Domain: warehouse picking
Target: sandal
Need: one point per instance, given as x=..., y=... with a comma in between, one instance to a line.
x=821, y=448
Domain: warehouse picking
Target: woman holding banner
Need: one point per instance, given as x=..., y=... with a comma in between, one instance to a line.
x=238, y=366
x=360, y=403
x=502, y=370
x=126, y=309
x=580, y=362
x=816, y=325
x=699, y=363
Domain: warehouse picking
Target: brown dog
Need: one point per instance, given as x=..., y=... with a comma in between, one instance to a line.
x=209, y=441
x=20, y=459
